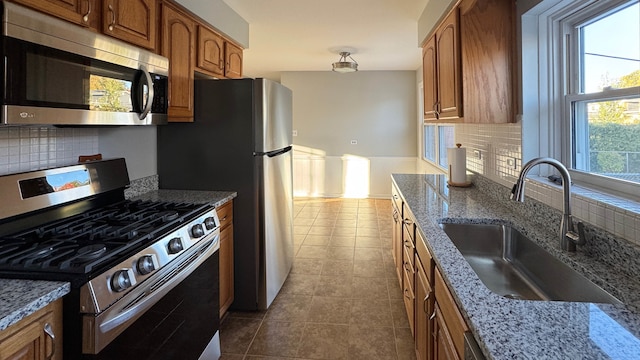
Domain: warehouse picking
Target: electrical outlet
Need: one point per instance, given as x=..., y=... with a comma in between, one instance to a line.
x=511, y=163
x=295, y=132
x=354, y=142
x=477, y=154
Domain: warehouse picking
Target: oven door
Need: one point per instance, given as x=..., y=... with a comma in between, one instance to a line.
x=44, y=85
x=172, y=315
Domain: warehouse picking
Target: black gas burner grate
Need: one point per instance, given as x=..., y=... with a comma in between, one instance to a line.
x=91, y=240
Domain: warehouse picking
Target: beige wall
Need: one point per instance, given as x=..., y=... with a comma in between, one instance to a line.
x=378, y=109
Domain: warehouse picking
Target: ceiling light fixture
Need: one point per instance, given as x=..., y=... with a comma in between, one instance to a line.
x=344, y=66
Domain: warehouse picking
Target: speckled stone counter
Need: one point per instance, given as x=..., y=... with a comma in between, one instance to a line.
x=524, y=329
x=21, y=298
x=216, y=198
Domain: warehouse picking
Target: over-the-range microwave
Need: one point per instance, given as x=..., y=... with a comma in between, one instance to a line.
x=58, y=73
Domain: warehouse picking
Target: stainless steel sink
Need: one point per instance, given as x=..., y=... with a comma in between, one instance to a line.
x=513, y=266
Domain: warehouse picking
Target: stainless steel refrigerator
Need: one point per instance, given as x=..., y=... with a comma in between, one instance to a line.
x=241, y=140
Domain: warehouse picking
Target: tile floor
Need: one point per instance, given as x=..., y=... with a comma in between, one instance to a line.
x=342, y=299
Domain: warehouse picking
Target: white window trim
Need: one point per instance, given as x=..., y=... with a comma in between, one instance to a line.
x=546, y=110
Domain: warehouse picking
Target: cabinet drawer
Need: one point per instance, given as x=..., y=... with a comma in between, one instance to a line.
x=450, y=313
x=424, y=256
x=395, y=197
x=225, y=214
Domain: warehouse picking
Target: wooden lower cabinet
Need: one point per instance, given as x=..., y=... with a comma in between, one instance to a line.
x=447, y=318
x=423, y=309
x=443, y=346
x=36, y=337
x=225, y=215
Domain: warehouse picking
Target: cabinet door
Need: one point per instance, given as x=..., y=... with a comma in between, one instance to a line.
x=210, y=52
x=178, y=40
x=423, y=309
x=449, y=68
x=430, y=79
x=233, y=61
x=226, y=268
x=38, y=336
x=81, y=12
x=133, y=21
x=443, y=348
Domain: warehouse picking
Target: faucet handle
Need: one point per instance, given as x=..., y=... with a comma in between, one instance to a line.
x=578, y=238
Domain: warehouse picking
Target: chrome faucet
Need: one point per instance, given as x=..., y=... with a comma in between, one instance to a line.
x=569, y=238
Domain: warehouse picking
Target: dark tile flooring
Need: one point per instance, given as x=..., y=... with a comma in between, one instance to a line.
x=342, y=299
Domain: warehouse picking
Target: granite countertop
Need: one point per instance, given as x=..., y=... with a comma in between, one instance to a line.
x=523, y=329
x=216, y=198
x=21, y=298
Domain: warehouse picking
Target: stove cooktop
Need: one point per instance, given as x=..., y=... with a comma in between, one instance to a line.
x=87, y=243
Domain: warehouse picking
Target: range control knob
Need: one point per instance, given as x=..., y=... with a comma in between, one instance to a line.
x=210, y=223
x=197, y=231
x=120, y=280
x=175, y=245
x=145, y=265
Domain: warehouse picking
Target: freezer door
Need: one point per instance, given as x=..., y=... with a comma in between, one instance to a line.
x=274, y=119
x=277, y=225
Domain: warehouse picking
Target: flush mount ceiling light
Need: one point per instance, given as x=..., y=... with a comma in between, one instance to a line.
x=344, y=66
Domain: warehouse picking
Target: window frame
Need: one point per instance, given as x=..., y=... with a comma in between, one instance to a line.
x=557, y=80
x=436, y=139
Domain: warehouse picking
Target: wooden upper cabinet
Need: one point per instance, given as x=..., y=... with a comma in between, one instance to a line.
x=487, y=35
x=210, y=52
x=442, y=72
x=233, y=61
x=449, y=68
x=81, y=12
x=133, y=21
x=430, y=83
x=178, y=44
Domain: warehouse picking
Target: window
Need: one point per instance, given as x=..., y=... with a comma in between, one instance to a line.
x=581, y=89
x=437, y=138
x=601, y=68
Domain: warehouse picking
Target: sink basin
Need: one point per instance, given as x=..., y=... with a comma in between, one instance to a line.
x=513, y=266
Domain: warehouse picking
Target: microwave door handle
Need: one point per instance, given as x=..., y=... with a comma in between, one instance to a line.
x=147, y=106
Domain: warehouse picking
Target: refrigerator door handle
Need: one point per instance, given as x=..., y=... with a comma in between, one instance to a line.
x=274, y=152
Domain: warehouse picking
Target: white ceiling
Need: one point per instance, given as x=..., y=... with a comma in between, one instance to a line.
x=307, y=35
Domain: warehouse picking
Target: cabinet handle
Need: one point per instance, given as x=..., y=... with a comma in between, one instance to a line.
x=407, y=221
x=113, y=17
x=85, y=18
x=424, y=303
x=406, y=267
x=436, y=106
x=224, y=218
x=48, y=330
x=433, y=316
x=407, y=243
x=406, y=291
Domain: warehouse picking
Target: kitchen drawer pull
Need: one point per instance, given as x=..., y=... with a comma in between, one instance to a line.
x=85, y=18
x=407, y=267
x=425, y=302
x=407, y=221
x=224, y=218
x=433, y=316
x=49, y=331
x=408, y=244
x=406, y=291
x=113, y=17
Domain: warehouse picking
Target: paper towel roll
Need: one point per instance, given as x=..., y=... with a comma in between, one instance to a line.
x=457, y=158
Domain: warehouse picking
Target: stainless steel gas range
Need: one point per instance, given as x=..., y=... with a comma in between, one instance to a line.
x=143, y=274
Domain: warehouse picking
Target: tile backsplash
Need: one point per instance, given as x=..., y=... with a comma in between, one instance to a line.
x=33, y=148
x=495, y=151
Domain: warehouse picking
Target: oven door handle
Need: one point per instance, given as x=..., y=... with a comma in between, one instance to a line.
x=150, y=294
